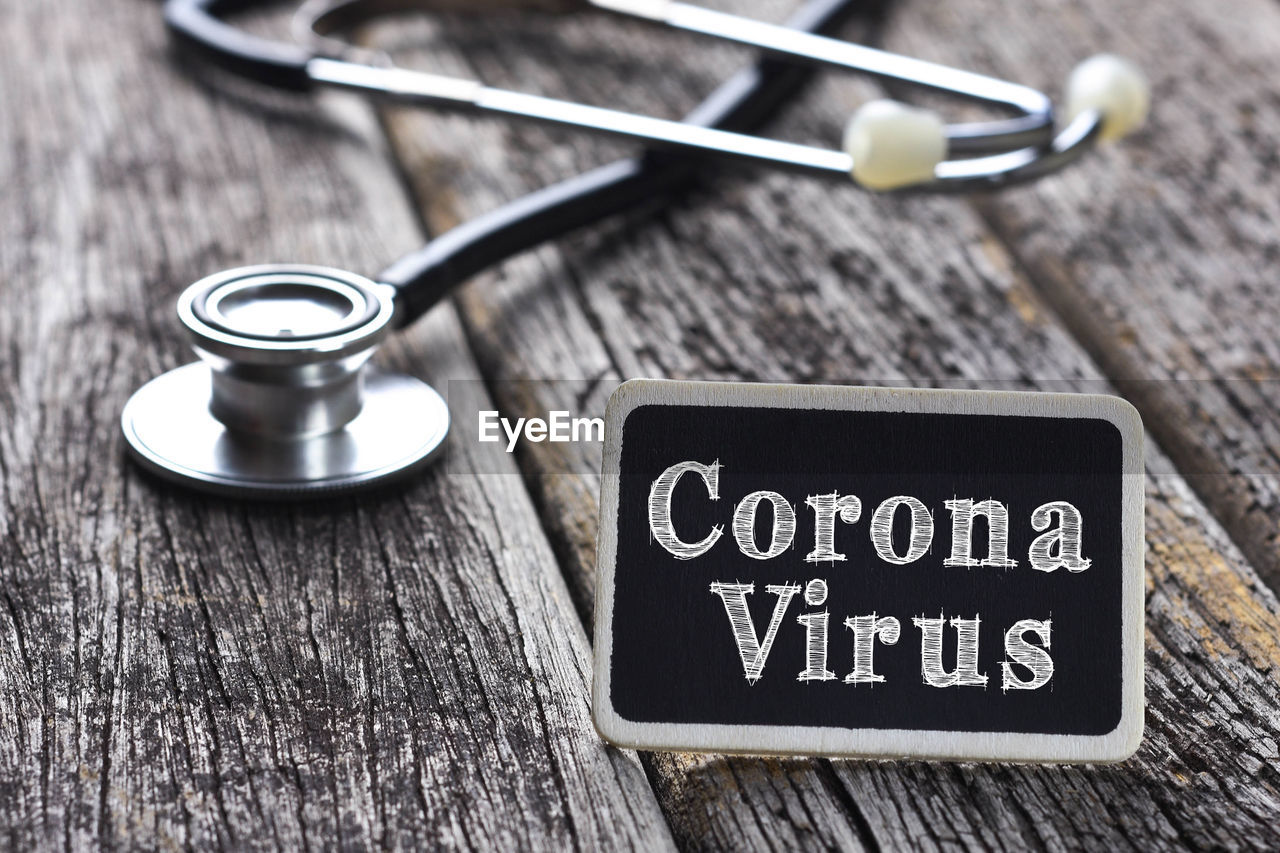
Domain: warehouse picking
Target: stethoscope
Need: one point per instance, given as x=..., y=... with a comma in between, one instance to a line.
x=284, y=403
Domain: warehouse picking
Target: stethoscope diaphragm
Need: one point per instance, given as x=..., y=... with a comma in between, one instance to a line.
x=283, y=401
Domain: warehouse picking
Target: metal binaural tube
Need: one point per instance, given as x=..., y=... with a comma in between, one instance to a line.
x=317, y=20
x=1014, y=167
x=421, y=88
x=887, y=146
x=1034, y=125
x=415, y=87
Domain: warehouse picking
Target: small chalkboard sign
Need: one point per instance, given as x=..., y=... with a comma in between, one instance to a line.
x=870, y=572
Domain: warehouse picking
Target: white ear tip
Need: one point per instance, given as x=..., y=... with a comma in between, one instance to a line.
x=1113, y=86
x=894, y=145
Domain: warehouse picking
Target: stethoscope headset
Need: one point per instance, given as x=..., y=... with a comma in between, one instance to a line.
x=283, y=402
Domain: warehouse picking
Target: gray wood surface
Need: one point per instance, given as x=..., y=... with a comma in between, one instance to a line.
x=403, y=670
x=1168, y=276
x=765, y=277
x=411, y=668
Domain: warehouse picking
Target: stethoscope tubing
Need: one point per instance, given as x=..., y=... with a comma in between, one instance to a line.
x=1032, y=126
x=284, y=403
x=743, y=103
x=422, y=278
x=269, y=414
x=197, y=28
x=416, y=88
x=304, y=69
x=400, y=85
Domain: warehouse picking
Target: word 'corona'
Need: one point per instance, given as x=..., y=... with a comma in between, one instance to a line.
x=1055, y=547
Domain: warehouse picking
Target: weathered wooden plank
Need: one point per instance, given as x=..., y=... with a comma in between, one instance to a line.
x=1206, y=776
x=711, y=802
x=402, y=670
x=774, y=278
x=1161, y=256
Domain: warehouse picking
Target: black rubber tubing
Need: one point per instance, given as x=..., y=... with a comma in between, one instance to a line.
x=195, y=26
x=742, y=104
x=422, y=278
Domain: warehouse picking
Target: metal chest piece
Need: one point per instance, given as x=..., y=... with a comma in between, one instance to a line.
x=283, y=403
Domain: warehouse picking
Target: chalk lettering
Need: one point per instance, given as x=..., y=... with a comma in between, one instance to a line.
x=753, y=652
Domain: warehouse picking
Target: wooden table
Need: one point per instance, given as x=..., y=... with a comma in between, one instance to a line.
x=412, y=668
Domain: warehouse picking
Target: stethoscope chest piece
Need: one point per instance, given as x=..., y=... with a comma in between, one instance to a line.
x=283, y=402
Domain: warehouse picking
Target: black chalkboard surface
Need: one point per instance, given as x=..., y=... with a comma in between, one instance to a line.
x=869, y=571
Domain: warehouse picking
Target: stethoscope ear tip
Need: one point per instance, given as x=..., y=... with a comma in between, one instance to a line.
x=1113, y=86
x=283, y=403
x=894, y=145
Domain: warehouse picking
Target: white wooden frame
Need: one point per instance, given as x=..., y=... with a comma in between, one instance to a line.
x=833, y=741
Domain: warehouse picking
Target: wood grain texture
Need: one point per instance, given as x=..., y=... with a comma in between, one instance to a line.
x=457, y=168
x=407, y=670
x=401, y=670
x=1162, y=254
x=766, y=277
